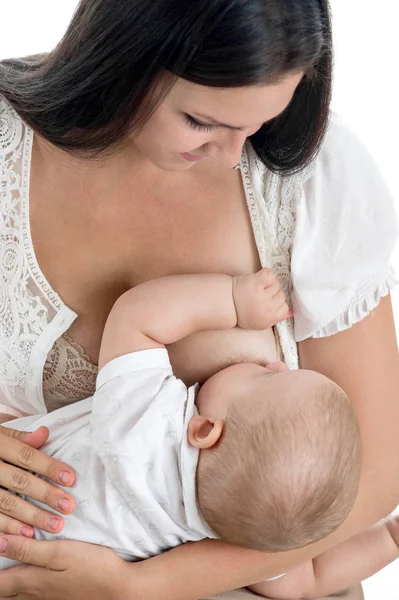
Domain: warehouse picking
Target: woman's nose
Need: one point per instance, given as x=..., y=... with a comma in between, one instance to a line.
x=228, y=148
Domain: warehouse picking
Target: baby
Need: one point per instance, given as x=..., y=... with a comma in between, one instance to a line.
x=260, y=457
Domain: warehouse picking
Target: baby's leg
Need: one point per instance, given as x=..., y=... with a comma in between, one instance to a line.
x=354, y=593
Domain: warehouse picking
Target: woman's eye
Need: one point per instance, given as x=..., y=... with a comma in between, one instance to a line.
x=198, y=126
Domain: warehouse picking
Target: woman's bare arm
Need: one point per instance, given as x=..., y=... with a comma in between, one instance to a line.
x=364, y=361
x=351, y=561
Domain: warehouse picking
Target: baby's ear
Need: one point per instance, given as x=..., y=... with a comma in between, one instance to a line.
x=204, y=432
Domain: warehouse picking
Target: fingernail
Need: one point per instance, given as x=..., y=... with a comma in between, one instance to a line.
x=53, y=523
x=64, y=504
x=26, y=531
x=64, y=476
x=3, y=545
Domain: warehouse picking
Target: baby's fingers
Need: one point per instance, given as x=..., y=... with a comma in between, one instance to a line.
x=283, y=312
x=266, y=277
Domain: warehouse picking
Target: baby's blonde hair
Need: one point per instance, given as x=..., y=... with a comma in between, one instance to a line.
x=284, y=480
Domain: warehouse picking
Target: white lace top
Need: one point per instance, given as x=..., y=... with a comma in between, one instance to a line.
x=327, y=232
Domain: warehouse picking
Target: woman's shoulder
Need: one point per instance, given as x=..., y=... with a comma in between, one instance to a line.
x=338, y=136
x=333, y=228
x=340, y=148
x=342, y=151
x=343, y=185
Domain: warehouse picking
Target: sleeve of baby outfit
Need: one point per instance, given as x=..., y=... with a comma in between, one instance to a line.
x=153, y=362
x=346, y=231
x=127, y=387
x=129, y=383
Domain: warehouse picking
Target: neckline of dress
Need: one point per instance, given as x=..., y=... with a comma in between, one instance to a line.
x=37, y=274
x=39, y=277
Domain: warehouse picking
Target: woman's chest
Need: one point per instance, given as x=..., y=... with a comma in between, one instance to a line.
x=188, y=231
x=92, y=252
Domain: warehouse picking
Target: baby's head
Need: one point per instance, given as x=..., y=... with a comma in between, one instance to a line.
x=280, y=456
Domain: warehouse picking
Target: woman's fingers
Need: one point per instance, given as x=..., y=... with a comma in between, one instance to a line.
x=25, y=483
x=36, y=439
x=17, y=452
x=71, y=570
x=14, y=527
x=32, y=552
x=15, y=476
x=15, y=507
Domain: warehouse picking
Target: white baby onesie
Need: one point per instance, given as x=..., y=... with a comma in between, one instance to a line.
x=136, y=472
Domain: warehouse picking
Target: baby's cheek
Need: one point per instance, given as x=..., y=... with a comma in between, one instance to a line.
x=202, y=354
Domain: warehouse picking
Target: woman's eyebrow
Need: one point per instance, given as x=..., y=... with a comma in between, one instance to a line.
x=212, y=121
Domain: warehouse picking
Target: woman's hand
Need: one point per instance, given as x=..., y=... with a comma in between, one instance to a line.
x=18, y=456
x=65, y=570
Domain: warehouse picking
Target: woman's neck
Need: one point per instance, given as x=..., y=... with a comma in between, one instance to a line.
x=99, y=175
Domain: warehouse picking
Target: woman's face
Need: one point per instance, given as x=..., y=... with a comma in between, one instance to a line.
x=195, y=123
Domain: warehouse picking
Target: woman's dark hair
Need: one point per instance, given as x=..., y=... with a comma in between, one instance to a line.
x=98, y=84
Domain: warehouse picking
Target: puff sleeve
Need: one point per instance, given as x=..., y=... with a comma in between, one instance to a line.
x=345, y=233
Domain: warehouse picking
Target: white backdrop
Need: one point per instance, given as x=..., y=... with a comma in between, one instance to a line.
x=366, y=94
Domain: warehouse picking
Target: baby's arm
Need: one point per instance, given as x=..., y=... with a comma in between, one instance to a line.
x=344, y=565
x=165, y=310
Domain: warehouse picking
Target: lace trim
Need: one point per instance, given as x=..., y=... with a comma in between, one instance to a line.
x=32, y=315
x=33, y=265
x=257, y=219
x=279, y=350
x=366, y=299
x=69, y=374
x=10, y=130
x=272, y=202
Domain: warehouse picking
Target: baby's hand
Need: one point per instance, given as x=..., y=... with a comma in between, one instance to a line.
x=259, y=300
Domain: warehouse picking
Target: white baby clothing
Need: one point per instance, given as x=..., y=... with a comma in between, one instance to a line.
x=327, y=232
x=136, y=472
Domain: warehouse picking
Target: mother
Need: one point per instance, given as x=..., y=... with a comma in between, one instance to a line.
x=117, y=154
